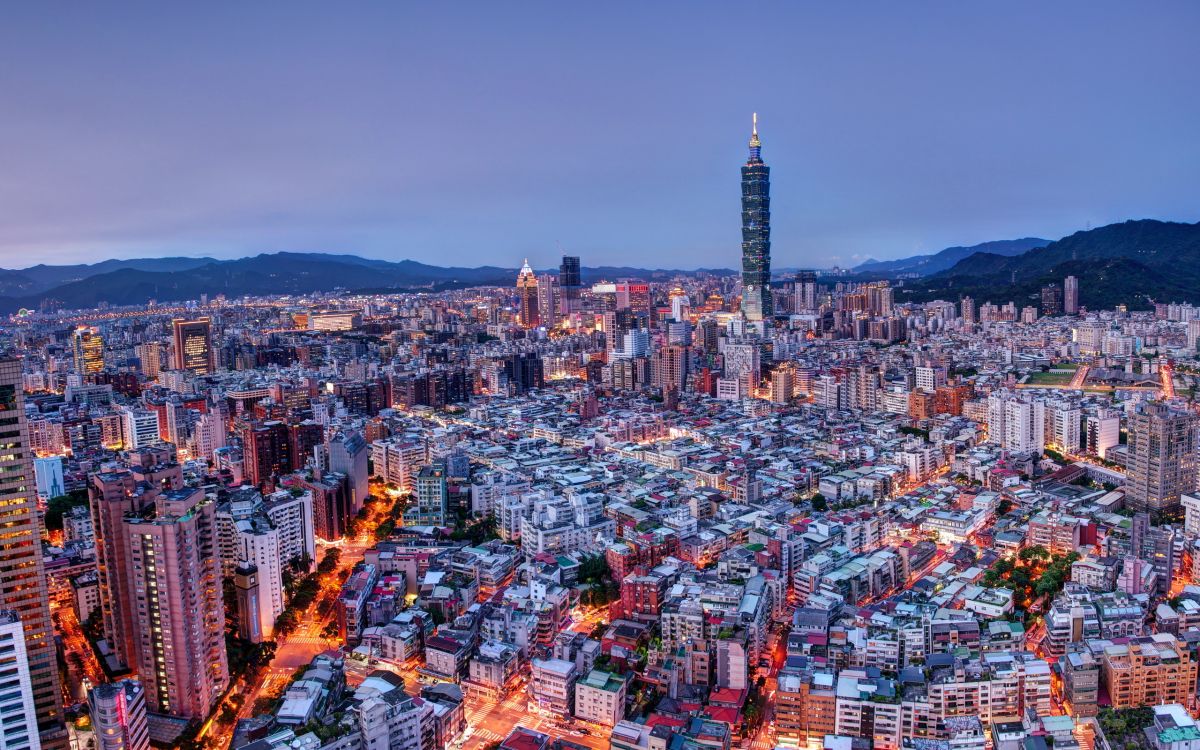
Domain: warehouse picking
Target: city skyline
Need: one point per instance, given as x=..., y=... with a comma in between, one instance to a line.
x=691, y=475
x=384, y=142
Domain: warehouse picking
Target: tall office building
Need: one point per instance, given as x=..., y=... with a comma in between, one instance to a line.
x=18, y=719
x=570, y=284
x=1162, y=457
x=756, y=233
x=193, y=349
x=87, y=350
x=348, y=455
x=118, y=712
x=1071, y=295
x=22, y=577
x=179, y=633
x=527, y=292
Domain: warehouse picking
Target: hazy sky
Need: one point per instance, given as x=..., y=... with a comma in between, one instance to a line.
x=472, y=133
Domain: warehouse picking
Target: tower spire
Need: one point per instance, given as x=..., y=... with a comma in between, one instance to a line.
x=755, y=144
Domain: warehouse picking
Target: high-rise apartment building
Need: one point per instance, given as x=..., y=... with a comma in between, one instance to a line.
x=1103, y=432
x=548, y=293
x=1071, y=295
x=805, y=291
x=118, y=713
x=1149, y=670
x=757, y=303
x=527, y=294
x=208, y=435
x=150, y=355
x=22, y=577
x=1052, y=299
x=179, y=628
x=87, y=350
x=192, y=348
x=1162, y=457
x=669, y=368
x=1017, y=424
x=968, y=312
x=139, y=428
x=266, y=451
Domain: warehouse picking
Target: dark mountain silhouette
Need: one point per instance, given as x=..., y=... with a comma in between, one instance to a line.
x=127, y=282
x=1134, y=263
x=927, y=265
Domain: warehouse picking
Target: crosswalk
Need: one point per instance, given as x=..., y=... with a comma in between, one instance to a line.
x=485, y=736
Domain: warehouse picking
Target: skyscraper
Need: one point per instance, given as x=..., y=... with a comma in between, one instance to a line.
x=193, y=348
x=179, y=634
x=1071, y=295
x=570, y=285
x=757, y=304
x=22, y=577
x=527, y=291
x=87, y=350
x=1162, y=457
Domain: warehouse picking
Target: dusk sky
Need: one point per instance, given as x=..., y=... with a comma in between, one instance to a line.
x=482, y=133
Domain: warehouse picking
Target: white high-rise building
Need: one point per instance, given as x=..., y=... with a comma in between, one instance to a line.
x=140, y=428
x=1016, y=424
x=1065, y=422
x=18, y=720
x=1103, y=432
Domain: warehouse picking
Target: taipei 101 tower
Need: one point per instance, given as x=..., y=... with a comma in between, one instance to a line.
x=756, y=234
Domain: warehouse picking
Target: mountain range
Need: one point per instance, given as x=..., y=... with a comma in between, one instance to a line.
x=1132, y=263
x=126, y=282
x=927, y=265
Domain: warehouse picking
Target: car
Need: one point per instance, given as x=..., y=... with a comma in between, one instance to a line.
x=584, y=730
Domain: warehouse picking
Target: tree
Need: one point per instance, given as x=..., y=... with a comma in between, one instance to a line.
x=61, y=505
x=287, y=622
x=1020, y=578
x=819, y=503
x=329, y=562
x=1036, y=552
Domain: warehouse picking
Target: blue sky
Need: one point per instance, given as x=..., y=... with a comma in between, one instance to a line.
x=476, y=133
